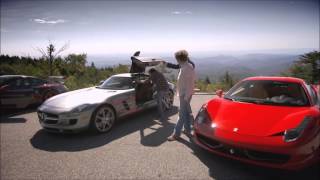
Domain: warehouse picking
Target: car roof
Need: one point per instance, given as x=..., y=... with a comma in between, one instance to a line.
x=275, y=78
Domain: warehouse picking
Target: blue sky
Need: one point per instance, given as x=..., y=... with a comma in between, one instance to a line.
x=113, y=27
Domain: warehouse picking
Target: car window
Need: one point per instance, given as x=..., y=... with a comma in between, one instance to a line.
x=16, y=84
x=20, y=83
x=117, y=83
x=5, y=80
x=26, y=82
x=269, y=92
x=36, y=81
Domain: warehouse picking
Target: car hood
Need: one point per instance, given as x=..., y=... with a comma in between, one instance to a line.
x=76, y=98
x=254, y=119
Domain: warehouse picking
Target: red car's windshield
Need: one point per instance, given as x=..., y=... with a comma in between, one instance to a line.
x=269, y=92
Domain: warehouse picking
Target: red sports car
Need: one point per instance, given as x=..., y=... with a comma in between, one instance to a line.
x=18, y=91
x=266, y=121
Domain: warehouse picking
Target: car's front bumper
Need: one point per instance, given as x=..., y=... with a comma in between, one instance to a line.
x=265, y=152
x=55, y=120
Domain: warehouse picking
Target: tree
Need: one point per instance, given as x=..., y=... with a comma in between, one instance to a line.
x=76, y=63
x=227, y=80
x=307, y=67
x=312, y=58
x=207, y=80
x=50, y=55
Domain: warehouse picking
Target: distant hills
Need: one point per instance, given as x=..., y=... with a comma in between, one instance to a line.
x=244, y=66
x=214, y=66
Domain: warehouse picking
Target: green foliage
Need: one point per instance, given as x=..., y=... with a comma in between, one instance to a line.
x=207, y=80
x=307, y=67
x=73, y=67
x=50, y=56
x=227, y=81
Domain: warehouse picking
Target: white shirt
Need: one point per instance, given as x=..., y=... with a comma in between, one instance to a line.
x=186, y=80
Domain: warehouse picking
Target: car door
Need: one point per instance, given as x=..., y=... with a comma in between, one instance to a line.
x=143, y=89
x=19, y=93
x=127, y=102
x=38, y=88
x=140, y=63
x=124, y=101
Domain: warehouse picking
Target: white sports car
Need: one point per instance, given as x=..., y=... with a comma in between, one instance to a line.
x=99, y=107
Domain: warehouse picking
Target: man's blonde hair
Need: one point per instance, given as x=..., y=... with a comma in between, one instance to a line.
x=182, y=55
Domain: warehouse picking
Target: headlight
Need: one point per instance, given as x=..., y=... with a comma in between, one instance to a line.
x=80, y=108
x=202, y=116
x=293, y=134
x=76, y=111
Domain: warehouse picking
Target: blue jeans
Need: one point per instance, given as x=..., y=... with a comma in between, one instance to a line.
x=185, y=117
x=160, y=96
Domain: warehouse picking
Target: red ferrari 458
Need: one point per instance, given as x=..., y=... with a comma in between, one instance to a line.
x=266, y=121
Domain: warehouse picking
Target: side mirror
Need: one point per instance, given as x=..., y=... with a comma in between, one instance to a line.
x=219, y=93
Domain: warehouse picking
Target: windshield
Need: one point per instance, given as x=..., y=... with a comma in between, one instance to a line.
x=268, y=92
x=117, y=83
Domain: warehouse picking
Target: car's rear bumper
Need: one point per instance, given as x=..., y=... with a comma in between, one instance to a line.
x=272, y=157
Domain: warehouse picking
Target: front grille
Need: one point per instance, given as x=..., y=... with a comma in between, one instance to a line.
x=258, y=156
x=269, y=157
x=48, y=118
x=73, y=121
x=49, y=121
x=50, y=115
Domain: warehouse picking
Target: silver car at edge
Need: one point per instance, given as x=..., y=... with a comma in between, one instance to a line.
x=97, y=108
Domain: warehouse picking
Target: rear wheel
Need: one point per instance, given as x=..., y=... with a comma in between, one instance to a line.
x=103, y=119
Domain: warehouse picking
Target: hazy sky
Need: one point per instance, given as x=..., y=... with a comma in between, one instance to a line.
x=110, y=27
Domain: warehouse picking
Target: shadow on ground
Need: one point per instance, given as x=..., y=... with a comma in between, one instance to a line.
x=86, y=140
x=8, y=115
x=221, y=168
x=12, y=120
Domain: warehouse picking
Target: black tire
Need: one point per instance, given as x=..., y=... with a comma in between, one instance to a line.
x=103, y=119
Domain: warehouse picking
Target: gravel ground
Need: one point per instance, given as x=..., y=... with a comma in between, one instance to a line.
x=135, y=149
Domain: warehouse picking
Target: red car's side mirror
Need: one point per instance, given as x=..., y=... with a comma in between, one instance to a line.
x=219, y=93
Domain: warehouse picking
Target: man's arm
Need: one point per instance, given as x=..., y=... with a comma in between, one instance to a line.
x=177, y=66
x=189, y=61
x=173, y=66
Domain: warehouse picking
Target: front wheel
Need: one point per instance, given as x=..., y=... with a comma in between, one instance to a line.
x=103, y=119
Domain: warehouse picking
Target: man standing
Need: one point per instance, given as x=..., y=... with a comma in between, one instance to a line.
x=162, y=88
x=185, y=86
